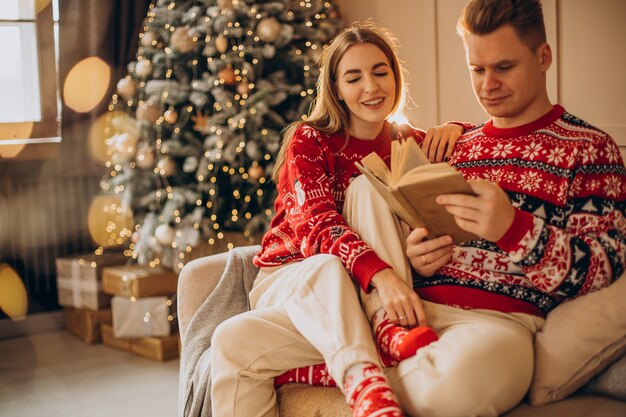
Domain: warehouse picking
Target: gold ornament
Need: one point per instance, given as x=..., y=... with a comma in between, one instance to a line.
x=181, y=41
x=126, y=88
x=221, y=43
x=13, y=297
x=225, y=4
x=144, y=68
x=149, y=39
x=166, y=166
x=256, y=171
x=149, y=112
x=227, y=75
x=110, y=220
x=102, y=129
x=170, y=116
x=144, y=158
x=268, y=29
x=243, y=87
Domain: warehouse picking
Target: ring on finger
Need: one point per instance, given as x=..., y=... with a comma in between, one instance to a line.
x=401, y=317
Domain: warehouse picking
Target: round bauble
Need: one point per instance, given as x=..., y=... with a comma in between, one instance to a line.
x=182, y=41
x=164, y=234
x=268, y=29
x=166, y=166
x=126, y=88
x=256, y=171
x=170, y=116
x=149, y=39
x=149, y=112
x=144, y=68
x=225, y=4
x=144, y=158
x=243, y=87
x=221, y=44
x=227, y=75
x=110, y=220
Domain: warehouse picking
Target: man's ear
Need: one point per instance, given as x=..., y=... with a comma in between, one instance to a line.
x=545, y=56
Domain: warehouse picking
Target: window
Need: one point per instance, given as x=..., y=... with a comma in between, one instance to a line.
x=29, y=101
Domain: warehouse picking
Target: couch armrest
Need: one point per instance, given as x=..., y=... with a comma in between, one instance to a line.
x=195, y=282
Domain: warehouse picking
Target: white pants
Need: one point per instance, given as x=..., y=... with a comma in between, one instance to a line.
x=483, y=362
x=303, y=313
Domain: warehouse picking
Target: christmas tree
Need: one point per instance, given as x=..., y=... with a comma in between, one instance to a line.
x=197, y=120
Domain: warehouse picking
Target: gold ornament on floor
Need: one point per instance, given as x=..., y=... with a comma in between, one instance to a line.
x=256, y=171
x=13, y=297
x=170, y=116
x=227, y=75
x=268, y=29
x=182, y=41
x=110, y=220
x=126, y=88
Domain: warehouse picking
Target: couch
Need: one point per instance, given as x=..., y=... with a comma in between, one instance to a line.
x=580, y=366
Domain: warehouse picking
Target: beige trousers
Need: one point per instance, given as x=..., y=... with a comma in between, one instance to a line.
x=483, y=362
x=303, y=313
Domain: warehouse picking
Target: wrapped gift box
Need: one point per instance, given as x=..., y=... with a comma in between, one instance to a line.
x=85, y=324
x=141, y=317
x=79, y=280
x=138, y=281
x=157, y=348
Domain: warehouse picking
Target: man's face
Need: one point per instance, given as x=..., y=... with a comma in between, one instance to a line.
x=507, y=77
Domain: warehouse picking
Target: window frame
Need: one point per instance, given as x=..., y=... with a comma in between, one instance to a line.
x=45, y=137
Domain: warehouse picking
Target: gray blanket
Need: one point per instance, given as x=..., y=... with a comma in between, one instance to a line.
x=230, y=297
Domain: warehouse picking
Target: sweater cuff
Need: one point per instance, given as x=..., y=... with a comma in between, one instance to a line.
x=522, y=224
x=364, y=268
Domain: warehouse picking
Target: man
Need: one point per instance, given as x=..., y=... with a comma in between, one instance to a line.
x=550, y=212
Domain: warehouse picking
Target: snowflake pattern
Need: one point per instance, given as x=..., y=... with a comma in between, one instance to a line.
x=532, y=150
x=530, y=181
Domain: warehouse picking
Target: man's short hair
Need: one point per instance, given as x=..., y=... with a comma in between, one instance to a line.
x=481, y=17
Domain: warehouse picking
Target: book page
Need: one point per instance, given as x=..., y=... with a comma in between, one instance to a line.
x=377, y=167
x=409, y=156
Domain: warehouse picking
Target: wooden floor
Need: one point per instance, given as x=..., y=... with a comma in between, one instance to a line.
x=57, y=375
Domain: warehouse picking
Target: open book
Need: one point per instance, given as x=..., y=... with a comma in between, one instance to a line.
x=411, y=186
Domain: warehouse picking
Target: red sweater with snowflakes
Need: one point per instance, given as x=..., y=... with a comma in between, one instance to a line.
x=567, y=181
x=311, y=194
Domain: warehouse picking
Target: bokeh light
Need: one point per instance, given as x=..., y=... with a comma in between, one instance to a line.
x=86, y=84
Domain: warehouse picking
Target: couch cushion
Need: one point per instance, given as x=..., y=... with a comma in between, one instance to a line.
x=580, y=338
x=611, y=382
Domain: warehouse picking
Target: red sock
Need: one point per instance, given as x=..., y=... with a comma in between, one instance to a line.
x=396, y=342
x=316, y=375
x=368, y=392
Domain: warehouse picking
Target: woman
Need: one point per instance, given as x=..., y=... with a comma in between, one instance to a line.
x=304, y=308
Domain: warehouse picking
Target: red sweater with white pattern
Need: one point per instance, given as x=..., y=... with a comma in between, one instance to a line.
x=311, y=193
x=567, y=181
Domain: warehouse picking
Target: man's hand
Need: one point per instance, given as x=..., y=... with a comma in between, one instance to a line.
x=489, y=214
x=427, y=256
x=439, y=141
x=401, y=303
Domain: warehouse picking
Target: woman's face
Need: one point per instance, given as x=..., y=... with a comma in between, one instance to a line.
x=366, y=83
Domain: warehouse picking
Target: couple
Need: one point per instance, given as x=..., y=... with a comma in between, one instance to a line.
x=454, y=324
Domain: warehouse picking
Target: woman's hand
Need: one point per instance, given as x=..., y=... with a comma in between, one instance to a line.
x=427, y=256
x=439, y=141
x=401, y=303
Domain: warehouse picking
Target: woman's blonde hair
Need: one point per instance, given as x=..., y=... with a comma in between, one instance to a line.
x=330, y=115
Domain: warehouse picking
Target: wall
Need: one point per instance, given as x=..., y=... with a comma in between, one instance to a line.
x=587, y=76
